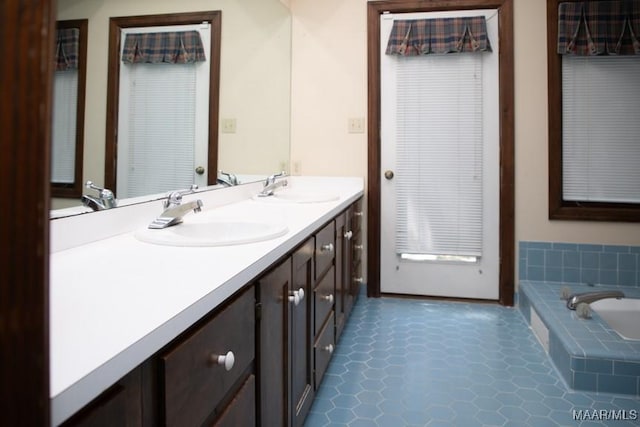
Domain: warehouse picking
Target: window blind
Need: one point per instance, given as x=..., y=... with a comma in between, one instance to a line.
x=160, y=129
x=439, y=155
x=63, y=152
x=601, y=144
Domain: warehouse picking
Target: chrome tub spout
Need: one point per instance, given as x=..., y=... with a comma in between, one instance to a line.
x=589, y=297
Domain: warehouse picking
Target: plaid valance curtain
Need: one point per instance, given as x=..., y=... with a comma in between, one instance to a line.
x=178, y=47
x=599, y=28
x=440, y=35
x=67, y=45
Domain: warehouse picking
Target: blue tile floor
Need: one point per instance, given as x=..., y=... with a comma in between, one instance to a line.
x=403, y=362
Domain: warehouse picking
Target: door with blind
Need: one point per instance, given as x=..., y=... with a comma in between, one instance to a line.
x=440, y=163
x=163, y=120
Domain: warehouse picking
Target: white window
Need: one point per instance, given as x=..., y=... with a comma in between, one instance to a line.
x=63, y=140
x=601, y=128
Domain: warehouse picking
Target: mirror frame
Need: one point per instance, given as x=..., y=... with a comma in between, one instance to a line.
x=74, y=190
x=113, y=84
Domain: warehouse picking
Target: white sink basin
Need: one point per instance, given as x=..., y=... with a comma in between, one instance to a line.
x=298, y=196
x=622, y=315
x=213, y=233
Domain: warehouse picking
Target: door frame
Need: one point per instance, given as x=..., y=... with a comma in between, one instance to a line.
x=214, y=17
x=507, y=146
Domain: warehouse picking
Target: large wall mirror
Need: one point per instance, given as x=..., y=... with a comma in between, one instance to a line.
x=253, y=116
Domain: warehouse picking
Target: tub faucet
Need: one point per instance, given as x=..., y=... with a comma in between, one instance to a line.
x=105, y=199
x=589, y=297
x=271, y=184
x=174, y=209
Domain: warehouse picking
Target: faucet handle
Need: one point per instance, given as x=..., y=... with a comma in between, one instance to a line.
x=230, y=178
x=105, y=194
x=102, y=191
x=272, y=178
x=175, y=197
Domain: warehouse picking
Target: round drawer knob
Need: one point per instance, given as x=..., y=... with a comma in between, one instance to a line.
x=329, y=348
x=348, y=235
x=327, y=248
x=359, y=213
x=297, y=296
x=328, y=298
x=358, y=247
x=358, y=280
x=228, y=360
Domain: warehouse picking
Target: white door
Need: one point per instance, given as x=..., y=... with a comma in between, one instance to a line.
x=163, y=122
x=429, y=243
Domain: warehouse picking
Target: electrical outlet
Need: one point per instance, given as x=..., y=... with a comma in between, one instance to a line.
x=228, y=125
x=356, y=125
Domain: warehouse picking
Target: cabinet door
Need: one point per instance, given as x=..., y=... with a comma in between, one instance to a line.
x=273, y=361
x=340, y=286
x=301, y=338
x=347, y=262
x=242, y=409
x=119, y=405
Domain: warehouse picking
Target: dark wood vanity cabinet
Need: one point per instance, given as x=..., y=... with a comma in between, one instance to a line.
x=280, y=331
x=188, y=383
x=349, y=250
x=120, y=405
x=203, y=371
x=285, y=340
x=324, y=296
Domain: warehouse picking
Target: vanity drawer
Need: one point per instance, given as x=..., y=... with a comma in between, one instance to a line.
x=242, y=409
x=323, y=299
x=325, y=249
x=194, y=380
x=358, y=247
x=323, y=348
x=358, y=216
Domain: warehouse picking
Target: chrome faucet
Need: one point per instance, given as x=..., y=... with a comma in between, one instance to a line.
x=271, y=184
x=174, y=209
x=589, y=297
x=105, y=199
x=227, y=179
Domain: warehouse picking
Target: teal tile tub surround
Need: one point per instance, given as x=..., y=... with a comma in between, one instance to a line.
x=587, y=352
x=612, y=265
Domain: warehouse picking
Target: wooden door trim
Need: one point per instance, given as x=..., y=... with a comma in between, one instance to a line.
x=26, y=92
x=507, y=159
x=214, y=17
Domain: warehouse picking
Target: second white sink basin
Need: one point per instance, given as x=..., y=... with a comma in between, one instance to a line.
x=213, y=233
x=298, y=196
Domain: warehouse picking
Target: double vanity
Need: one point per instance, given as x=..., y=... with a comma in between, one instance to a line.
x=228, y=318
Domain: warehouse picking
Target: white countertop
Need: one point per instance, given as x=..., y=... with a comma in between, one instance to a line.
x=116, y=301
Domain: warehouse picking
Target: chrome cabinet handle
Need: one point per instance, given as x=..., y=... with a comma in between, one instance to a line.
x=327, y=248
x=358, y=280
x=227, y=360
x=329, y=348
x=297, y=296
x=359, y=213
x=348, y=235
x=358, y=247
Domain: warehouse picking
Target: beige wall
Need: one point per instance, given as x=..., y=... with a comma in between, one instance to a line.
x=329, y=86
